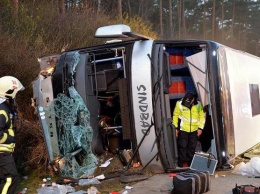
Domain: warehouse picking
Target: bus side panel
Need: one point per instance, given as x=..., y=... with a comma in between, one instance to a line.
x=243, y=71
x=142, y=103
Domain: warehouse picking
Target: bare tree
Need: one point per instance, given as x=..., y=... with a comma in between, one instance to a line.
x=233, y=18
x=183, y=18
x=99, y=5
x=213, y=19
x=222, y=20
x=129, y=8
x=15, y=8
x=170, y=19
x=62, y=7
x=144, y=7
x=119, y=9
x=179, y=5
x=204, y=20
x=161, y=18
x=141, y=8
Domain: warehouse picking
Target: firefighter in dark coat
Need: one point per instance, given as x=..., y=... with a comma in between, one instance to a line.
x=9, y=178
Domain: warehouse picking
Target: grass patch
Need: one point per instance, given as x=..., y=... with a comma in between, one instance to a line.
x=34, y=180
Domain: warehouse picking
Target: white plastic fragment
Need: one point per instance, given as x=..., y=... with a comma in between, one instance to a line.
x=128, y=187
x=105, y=164
x=100, y=177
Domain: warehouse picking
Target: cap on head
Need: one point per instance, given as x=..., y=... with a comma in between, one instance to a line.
x=188, y=99
x=9, y=86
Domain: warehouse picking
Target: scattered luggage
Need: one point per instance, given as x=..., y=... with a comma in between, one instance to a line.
x=246, y=189
x=191, y=182
x=204, y=162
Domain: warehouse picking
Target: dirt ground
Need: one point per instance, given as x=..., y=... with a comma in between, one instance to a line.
x=117, y=176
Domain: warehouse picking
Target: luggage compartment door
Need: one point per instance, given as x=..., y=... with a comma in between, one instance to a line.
x=198, y=68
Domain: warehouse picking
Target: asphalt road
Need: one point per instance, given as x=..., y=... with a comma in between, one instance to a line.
x=222, y=182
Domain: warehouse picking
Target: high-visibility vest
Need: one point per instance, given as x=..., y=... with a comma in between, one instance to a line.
x=190, y=119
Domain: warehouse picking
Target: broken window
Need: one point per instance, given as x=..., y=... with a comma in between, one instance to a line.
x=73, y=128
x=255, y=100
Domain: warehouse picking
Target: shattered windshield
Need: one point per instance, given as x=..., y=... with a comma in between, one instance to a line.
x=74, y=130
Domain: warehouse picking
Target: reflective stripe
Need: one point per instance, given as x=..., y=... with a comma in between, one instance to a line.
x=184, y=119
x=7, y=147
x=181, y=124
x=11, y=131
x=7, y=185
x=4, y=138
x=180, y=106
x=188, y=120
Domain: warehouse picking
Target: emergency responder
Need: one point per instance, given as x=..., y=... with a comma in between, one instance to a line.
x=189, y=120
x=9, y=178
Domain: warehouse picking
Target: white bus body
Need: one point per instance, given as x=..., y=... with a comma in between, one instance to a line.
x=148, y=77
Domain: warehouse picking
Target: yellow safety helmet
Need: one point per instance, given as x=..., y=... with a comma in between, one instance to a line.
x=9, y=86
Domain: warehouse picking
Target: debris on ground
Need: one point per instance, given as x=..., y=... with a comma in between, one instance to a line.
x=92, y=181
x=56, y=189
x=251, y=168
x=110, y=176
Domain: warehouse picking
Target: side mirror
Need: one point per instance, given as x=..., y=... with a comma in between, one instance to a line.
x=113, y=31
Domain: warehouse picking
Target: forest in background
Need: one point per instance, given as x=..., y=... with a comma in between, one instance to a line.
x=34, y=28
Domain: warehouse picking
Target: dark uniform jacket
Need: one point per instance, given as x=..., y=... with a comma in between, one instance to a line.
x=7, y=135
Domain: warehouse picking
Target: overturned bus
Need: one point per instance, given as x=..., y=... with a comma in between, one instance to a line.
x=127, y=90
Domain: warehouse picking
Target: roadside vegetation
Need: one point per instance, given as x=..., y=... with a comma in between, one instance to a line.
x=33, y=29
x=39, y=30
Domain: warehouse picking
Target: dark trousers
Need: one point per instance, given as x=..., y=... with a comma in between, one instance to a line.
x=9, y=177
x=187, y=143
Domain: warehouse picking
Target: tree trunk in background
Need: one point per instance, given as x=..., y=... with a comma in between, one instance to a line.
x=140, y=8
x=84, y=4
x=213, y=20
x=119, y=9
x=170, y=19
x=233, y=19
x=129, y=8
x=204, y=20
x=183, y=18
x=179, y=16
x=62, y=7
x=222, y=20
x=15, y=8
x=161, y=19
x=99, y=5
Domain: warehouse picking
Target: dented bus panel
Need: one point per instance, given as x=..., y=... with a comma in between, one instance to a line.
x=130, y=89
